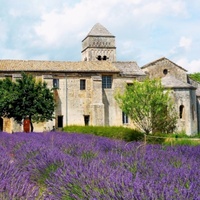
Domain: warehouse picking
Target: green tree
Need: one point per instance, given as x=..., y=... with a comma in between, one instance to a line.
x=26, y=98
x=7, y=97
x=149, y=106
x=195, y=76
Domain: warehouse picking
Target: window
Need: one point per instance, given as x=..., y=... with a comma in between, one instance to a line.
x=124, y=118
x=56, y=83
x=60, y=121
x=129, y=84
x=8, y=77
x=82, y=84
x=106, y=81
x=165, y=71
x=104, y=57
x=181, y=111
x=99, y=57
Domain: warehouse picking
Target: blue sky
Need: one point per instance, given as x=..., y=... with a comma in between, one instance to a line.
x=145, y=30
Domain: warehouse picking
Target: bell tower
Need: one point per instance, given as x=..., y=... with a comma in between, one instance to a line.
x=99, y=44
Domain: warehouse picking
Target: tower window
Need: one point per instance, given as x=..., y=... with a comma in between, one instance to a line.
x=104, y=57
x=99, y=57
x=106, y=81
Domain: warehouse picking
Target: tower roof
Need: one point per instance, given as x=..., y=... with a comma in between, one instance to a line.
x=99, y=30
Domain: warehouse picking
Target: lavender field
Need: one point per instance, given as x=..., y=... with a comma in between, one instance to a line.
x=61, y=166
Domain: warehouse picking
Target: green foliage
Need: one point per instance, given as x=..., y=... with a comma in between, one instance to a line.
x=26, y=97
x=46, y=172
x=74, y=192
x=88, y=155
x=42, y=175
x=173, y=139
x=114, y=132
x=149, y=105
x=195, y=76
x=8, y=95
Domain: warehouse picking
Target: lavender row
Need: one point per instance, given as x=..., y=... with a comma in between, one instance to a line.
x=58, y=165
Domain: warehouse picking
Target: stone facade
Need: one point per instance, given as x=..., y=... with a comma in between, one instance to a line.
x=184, y=94
x=163, y=66
x=84, y=91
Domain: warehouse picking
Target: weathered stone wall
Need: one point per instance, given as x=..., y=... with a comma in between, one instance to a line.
x=78, y=101
x=7, y=125
x=188, y=122
x=156, y=70
x=113, y=114
x=97, y=106
x=100, y=105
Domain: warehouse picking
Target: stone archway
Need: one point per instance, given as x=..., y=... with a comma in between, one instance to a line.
x=1, y=124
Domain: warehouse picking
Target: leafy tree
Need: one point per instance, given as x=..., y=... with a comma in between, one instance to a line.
x=7, y=96
x=195, y=76
x=26, y=98
x=149, y=106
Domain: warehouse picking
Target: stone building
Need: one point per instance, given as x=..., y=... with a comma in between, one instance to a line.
x=84, y=91
x=184, y=94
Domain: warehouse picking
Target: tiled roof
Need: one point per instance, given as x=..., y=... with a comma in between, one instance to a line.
x=56, y=66
x=161, y=59
x=129, y=68
x=99, y=30
x=170, y=81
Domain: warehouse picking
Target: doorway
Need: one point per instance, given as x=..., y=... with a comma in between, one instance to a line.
x=1, y=124
x=86, y=119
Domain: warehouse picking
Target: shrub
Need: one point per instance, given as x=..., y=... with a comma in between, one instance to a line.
x=114, y=132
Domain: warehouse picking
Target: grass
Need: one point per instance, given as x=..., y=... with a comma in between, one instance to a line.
x=174, y=139
x=128, y=134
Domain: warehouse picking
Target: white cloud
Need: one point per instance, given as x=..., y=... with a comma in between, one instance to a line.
x=185, y=42
x=192, y=66
x=179, y=7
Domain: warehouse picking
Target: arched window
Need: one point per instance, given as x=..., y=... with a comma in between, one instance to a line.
x=99, y=57
x=104, y=57
x=181, y=109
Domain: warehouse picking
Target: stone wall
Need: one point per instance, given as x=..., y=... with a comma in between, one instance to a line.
x=187, y=118
x=159, y=68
